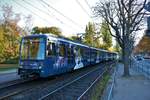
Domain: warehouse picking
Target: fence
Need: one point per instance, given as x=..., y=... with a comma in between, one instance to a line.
x=109, y=91
x=142, y=66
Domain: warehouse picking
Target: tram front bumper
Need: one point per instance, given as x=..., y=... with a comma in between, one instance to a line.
x=22, y=71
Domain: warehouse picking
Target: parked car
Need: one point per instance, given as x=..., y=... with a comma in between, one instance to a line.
x=138, y=58
x=146, y=57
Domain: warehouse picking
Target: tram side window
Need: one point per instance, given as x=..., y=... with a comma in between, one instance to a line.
x=69, y=52
x=69, y=55
x=82, y=51
x=62, y=50
x=51, y=49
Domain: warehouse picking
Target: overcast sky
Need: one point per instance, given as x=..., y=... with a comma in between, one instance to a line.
x=69, y=15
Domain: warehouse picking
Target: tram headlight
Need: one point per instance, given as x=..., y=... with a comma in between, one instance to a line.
x=40, y=67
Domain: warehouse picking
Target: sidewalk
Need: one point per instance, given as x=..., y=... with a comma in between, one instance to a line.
x=8, y=71
x=9, y=75
x=136, y=87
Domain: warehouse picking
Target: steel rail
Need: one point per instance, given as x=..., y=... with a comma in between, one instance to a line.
x=15, y=92
x=45, y=96
x=12, y=83
x=91, y=85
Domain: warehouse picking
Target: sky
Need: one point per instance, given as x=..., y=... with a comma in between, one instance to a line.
x=71, y=16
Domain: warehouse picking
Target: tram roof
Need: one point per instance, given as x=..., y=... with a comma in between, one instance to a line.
x=60, y=38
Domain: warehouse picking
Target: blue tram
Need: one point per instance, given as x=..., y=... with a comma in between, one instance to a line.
x=46, y=55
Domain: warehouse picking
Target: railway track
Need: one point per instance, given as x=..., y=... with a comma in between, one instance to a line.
x=12, y=86
x=13, y=83
x=74, y=85
x=75, y=89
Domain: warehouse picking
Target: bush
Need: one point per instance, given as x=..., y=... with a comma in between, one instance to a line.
x=11, y=61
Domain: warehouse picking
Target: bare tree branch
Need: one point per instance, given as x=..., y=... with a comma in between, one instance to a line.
x=139, y=11
x=125, y=18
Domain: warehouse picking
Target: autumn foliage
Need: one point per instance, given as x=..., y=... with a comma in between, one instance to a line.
x=9, y=34
x=43, y=30
x=143, y=45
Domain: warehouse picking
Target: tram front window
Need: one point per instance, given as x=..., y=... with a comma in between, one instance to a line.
x=33, y=48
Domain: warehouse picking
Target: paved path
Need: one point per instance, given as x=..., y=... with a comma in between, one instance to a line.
x=8, y=76
x=8, y=71
x=136, y=87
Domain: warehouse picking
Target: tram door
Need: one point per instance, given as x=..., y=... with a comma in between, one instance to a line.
x=70, y=57
x=62, y=58
x=51, y=56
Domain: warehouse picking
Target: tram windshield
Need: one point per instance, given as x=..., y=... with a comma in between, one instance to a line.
x=33, y=48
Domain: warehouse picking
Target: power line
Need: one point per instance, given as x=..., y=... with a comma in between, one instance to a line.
x=60, y=13
x=52, y=13
x=43, y=11
x=31, y=11
x=87, y=4
x=83, y=8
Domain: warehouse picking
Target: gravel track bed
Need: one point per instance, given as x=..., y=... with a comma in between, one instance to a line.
x=38, y=88
x=75, y=89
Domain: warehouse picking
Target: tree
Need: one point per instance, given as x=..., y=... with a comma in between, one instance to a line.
x=117, y=48
x=28, y=25
x=89, y=34
x=125, y=17
x=9, y=33
x=55, y=30
x=43, y=30
x=76, y=38
x=143, y=45
x=106, y=35
x=35, y=30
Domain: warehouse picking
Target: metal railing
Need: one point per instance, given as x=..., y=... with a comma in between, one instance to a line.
x=142, y=66
x=110, y=86
x=110, y=95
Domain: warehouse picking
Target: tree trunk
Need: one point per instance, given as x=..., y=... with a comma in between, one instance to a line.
x=126, y=61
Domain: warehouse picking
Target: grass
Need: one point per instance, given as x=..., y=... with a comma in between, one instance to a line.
x=99, y=89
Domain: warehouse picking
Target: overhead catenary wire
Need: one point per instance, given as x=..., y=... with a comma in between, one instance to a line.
x=90, y=16
x=41, y=10
x=83, y=8
x=87, y=4
x=45, y=20
x=50, y=6
x=49, y=11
